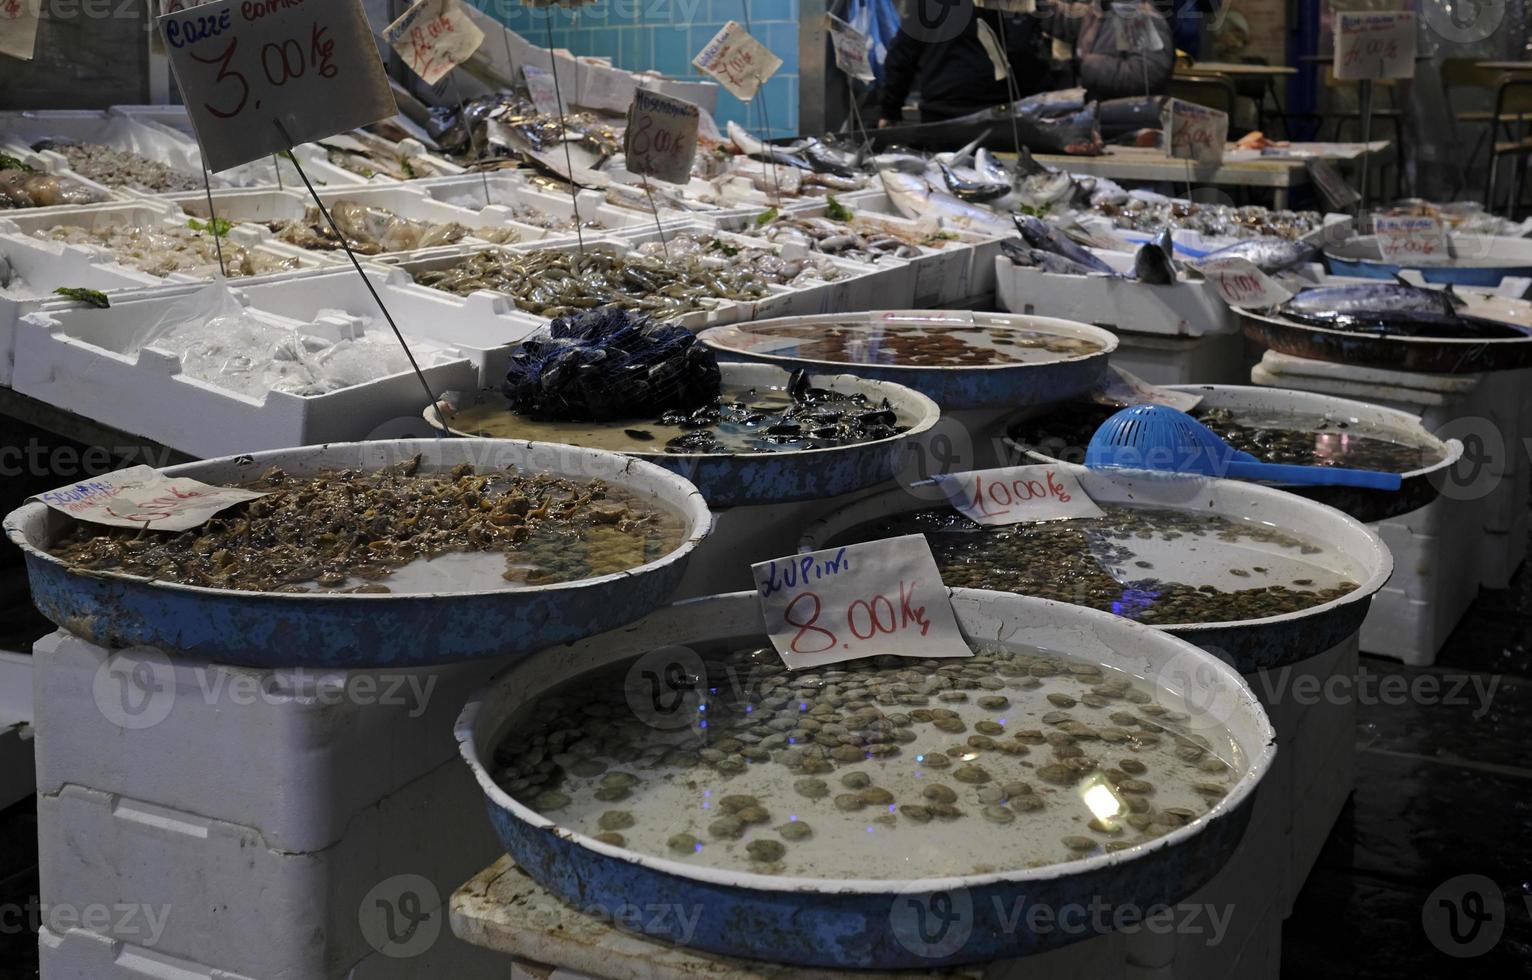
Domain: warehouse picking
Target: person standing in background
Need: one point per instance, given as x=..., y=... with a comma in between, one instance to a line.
x=1102, y=68
x=938, y=53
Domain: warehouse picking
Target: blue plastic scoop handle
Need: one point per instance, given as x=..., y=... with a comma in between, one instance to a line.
x=1158, y=437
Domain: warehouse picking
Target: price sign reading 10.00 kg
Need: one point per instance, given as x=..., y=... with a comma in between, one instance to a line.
x=244, y=65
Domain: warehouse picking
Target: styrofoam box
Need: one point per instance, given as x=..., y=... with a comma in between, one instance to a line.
x=28, y=224
x=861, y=287
x=1187, y=308
x=44, y=267
x=482, y=327
x=263, y=205
x=70, y=357
x=507, y=190
x=981, y=281
x=232, y=901
x=1163, y=360
x=38, y=162
x=295, y=754
x=716, y=312
x=941, y=274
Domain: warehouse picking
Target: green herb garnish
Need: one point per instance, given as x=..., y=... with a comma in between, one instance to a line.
x=8, y=162
x=718, y=246
x=836, y=211
x=409, y=169
x=218, y=226
x=92, y=297
x=1034, y=212
x=766, y=217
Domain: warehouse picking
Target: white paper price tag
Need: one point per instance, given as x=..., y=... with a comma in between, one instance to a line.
x=850, y=49
x=244, y=64
x=1241, y=283
x=661, y=139
x=990, y=41
x=141, y=496
x=541, y=87
x=881, y=597
x=18, y=28
x=1412, y=240
x=1134, y=30
x=1018, y=495
x=1195, y=132
x=433, y=37
x=1374, y=45
x=1123, y=388
x=738, y=61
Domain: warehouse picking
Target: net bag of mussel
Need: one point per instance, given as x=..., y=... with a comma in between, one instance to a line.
x=607, y=364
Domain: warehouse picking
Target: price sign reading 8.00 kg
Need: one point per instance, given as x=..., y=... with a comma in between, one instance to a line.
x=242, y=65
x=661, y=139
x=881, y=597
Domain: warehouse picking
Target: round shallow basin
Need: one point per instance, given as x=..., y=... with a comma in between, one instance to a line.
x=738, y=479
x=1419, y=484
x=1477, y=260
x=869, y=922
x=1347, y=549
x=461, y=619
x=1431, y=355
x=962, y=360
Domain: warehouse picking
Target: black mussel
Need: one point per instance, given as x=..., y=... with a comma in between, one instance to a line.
x=784, y=429
x=882, y=416
x=642, y=435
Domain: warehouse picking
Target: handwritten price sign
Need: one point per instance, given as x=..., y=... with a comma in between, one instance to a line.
x=1122, y=387
x=850, y=49
x=738, y=61
x=433, y=37
x=1375, y=45
x=1242, y=284
x=1195, y=132
x=661, y=140
x=1411, y=240
x=18, y=28
x=1133, y=29
x=242, y=65
x=141, y=496
x=881, y=597
x=1331, y=184
x=1018, y=495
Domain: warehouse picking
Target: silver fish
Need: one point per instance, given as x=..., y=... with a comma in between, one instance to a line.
x=978, y=191
x=915, y=198
x=1039, y=234
x=1022, y=254
x=901, y=159
x=1154, y=262
x=1373, y=298
x=990, y=168
x=1268, y=254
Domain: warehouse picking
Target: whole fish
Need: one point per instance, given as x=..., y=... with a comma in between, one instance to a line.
x=978, y=191
x=827, y=159
x=1023, y=254
x=1361, y=298
x=1046, y=188
x=1423, y=324
x=990, y=168
x=1039, y=234
x=900, y=158
x=757, y=149
x=963, y=155
x=1268, y=254
x=1154, y=262
x=915, y=198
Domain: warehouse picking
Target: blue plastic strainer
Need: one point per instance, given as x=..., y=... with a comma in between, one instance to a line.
x=1158, y=437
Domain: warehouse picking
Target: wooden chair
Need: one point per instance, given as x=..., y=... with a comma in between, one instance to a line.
x=1513, y=112
x=1464, y=81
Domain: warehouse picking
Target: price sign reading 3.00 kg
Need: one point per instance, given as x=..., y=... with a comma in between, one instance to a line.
x=661, y=140
x=881, y=597
x=242, y=65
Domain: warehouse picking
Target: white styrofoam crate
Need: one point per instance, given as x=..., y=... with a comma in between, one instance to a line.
x=226, y=898
x=482, y=327
x=259, y=206
x=1164, y=360
x=860, y=287
x=295, y=754
x=508, y=190
x=70, y=356
x=51, y=164
x=1188, y=308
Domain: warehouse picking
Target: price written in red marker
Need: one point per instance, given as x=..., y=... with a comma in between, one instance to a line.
x=1374, y=45
x=880, y=597
x=1194, y=132
x=18, y=28
x=738, y=61
x=433, y=37
x=1242, y=284
x=661, y=138
x=1018, y=495
x=141, y=496
x=242, y=65
x=1412, y=239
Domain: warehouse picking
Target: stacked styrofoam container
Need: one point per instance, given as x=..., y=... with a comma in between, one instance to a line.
x=1474, y=533
x=507, y=191
x=80, y=359
x=261, y=817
